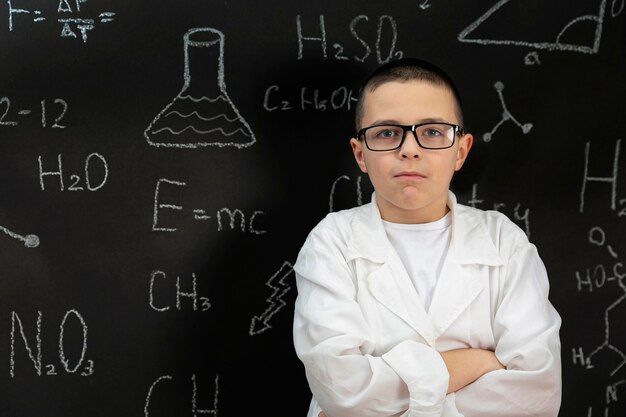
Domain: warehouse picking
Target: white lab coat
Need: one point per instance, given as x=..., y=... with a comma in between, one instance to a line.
x=370, y=349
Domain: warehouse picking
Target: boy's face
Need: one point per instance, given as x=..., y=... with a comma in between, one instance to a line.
x=411, y=183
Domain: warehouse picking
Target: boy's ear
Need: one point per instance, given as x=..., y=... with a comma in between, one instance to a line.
x=465, y=144
x=357, y=150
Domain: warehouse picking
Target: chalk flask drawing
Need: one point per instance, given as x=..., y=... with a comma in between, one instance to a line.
x=202, y=114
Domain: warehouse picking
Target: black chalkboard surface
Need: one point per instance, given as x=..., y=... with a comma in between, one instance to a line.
x=161, y=164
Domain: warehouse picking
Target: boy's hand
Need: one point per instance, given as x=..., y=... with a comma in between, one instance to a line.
x=321, y=414
x=467, y=365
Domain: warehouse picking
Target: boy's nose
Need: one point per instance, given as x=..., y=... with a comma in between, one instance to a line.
x=410, y=148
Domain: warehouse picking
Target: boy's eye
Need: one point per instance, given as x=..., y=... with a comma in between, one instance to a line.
x=431, y=132
x=387, y=133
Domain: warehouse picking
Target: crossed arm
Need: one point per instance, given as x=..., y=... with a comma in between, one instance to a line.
x=465, y=366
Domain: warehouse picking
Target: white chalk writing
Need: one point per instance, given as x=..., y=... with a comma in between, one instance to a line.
x=198, y=303
x=34, y=352
x=386, y=24
x=226, y=218
x=77, y=185
x=194, y=409
x=72, y=25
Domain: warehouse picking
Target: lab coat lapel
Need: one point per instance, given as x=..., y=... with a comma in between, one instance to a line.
x=387, y=278
x=455, y=291
x=391, y=286
x=470, y=246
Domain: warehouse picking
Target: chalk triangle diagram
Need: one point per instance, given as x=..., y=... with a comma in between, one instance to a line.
x=592, y=21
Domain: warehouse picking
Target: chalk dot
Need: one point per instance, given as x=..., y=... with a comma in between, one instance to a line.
x=32, y=241
x=526, y=128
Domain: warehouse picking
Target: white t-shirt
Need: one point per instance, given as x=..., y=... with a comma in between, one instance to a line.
x=422, y=248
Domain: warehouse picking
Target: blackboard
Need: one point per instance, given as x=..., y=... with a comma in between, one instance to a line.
x=146, y=265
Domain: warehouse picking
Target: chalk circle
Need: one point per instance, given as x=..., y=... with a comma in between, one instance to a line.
x=532, y=58
x=31, y=241
x=601, y=236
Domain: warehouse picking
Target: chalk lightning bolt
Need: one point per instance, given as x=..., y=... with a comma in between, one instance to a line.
x=279, y=287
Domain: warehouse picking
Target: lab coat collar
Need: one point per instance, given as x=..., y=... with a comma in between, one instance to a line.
x=456, y=288
x=368, y=238
x=470, y=242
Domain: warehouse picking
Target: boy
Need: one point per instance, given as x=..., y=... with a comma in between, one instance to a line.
x=414, y=305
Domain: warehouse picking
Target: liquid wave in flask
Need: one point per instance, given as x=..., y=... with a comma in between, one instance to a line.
x=202, y=114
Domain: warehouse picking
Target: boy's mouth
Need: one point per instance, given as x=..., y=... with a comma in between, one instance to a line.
x=414, y=175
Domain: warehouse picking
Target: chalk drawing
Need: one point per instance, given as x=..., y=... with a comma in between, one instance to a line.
x=506, y=115
x=522, y=218
x=553, y=45
x=30, y=241
x=384, y=21
x=532, y=58
x=598, y=237
x=195, y=411
x=613, y=315
x=6, y=101
x=331, y=197
x=202, y=114
x=612, y=180
x=205, y=302
x=227, y=219
x=86, y=366
x=279, y=287
x=317, y=99
x=609, y=316
x=146, y=411
x=194, y=399
x=76, y=180
x=71, y=27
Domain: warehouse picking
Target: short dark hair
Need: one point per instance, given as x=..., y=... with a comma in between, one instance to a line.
x=402, y=70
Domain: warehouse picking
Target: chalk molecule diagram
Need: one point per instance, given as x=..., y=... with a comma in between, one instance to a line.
x=201, y=114
x=280, y=287
x=617, y=6
x=612, y=319
x=30, y=241
x=597, y=237
x=506, y=115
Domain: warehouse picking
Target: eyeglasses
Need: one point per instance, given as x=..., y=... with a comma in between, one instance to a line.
x=428, y=135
